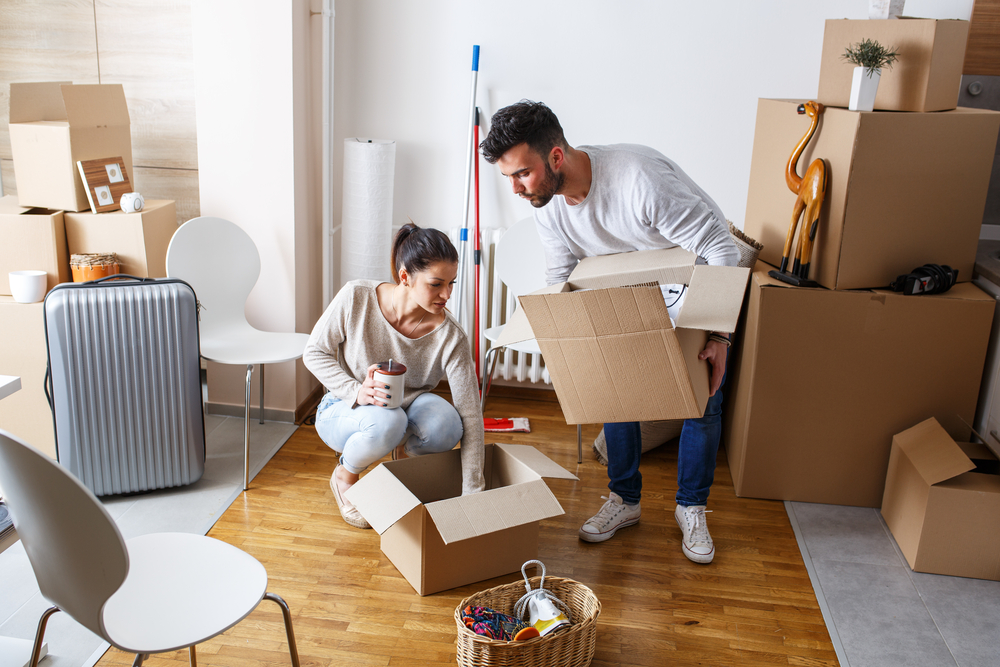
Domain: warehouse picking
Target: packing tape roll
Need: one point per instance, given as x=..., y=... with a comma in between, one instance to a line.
x=366, y=218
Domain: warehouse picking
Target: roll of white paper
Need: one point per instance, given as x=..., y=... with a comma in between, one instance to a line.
x=366, y=219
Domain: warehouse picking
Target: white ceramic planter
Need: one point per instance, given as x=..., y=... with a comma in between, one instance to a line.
x=28, y=286
x=863, y=89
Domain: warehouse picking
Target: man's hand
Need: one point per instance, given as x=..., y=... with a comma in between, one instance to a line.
x=715, y=352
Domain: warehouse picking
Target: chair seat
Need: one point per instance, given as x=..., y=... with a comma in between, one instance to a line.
x=526, y=346
x=181, y=589
x=251, y=346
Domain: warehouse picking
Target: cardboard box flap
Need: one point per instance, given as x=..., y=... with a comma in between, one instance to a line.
x=465, y=517
x=95, y=105
x=714, y=298
x=933, y=452
x=664, y=266
x=518, y=329
x=540, y=463
x=381, y=498
x=37, y=101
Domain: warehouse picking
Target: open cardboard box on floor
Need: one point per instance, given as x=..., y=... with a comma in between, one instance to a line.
x=903, y=190
x=941, y=507
x=139, y=239
x=820, y=381
x=31, y=239
x=927, y=76
x=54, y=124
x=439, y=539
x=608, y=342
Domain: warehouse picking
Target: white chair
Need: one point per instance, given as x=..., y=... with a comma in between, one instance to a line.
x=152, y=594
x=220, y=261
x=520, y=263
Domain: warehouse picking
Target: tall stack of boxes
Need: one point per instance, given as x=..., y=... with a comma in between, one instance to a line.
x=821, y=379
x=52, y=126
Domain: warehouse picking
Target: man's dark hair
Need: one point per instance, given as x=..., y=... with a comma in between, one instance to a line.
x=526, y=122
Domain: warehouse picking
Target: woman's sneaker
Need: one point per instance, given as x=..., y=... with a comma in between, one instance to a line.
x=614, y=515
x=697, y=543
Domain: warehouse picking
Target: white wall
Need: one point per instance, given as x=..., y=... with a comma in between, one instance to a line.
x=256, y=167
x=683, y=77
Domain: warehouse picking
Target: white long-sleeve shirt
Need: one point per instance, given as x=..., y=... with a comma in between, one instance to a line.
x=353, y=334
x=638, y=200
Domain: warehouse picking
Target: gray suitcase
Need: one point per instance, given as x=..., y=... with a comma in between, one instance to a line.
x=124, y=383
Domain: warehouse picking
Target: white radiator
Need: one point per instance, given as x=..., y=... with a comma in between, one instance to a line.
x=495, y=307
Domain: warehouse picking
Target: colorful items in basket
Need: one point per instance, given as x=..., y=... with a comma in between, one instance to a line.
x=545, y=611
x=489, y=623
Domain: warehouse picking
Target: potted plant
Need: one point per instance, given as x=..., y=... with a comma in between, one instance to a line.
x=869, y=57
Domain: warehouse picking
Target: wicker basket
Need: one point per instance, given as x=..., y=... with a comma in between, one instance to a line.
x=573, y=647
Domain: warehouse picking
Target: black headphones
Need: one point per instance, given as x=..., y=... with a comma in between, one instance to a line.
x=927, y=279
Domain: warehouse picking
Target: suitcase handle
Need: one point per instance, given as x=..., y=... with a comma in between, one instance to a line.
x=117, y=276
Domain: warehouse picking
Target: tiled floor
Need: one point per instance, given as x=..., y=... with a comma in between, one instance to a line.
x=880, y=613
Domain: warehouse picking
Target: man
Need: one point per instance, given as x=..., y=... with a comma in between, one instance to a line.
x=600, y=200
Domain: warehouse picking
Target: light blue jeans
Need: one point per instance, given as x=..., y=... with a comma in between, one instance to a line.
x=366, y=433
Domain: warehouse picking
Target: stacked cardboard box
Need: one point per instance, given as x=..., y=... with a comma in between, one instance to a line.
x=52, y=126
x=822, y=378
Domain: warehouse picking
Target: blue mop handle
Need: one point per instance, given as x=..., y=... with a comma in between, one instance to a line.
x=475, y=58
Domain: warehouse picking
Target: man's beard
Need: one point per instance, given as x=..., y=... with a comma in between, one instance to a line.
x=547, y=189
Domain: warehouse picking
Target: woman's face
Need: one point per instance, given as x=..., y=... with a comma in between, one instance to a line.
x=432, y=287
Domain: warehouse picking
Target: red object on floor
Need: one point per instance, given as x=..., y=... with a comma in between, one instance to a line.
x=519, y=424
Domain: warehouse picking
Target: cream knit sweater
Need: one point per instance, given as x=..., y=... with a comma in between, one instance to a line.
x=353, y=334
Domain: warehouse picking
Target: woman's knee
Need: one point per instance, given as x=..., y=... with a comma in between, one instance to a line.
x=435, y=424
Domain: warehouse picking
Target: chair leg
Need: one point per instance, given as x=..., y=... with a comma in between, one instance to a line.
x=139, y=659
x=40, y=635
x=579, y=443
x=192, y=657
x=286, y=613
x=246, y=431
x=262, y=393
x=489, y=366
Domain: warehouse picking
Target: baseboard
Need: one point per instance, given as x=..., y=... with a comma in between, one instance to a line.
x=307, y=406
x=510, y=391
x=270, y=414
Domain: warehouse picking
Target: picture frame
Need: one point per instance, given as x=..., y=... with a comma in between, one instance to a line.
x=105, y=181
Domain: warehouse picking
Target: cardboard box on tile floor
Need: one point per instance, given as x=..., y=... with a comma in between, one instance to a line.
x=55, y=124
x=904, y=189
x=942, y=503
x=607, y=337
x=439, y=539
x=140, y=239
x=820, y=381
x=927, y=76
x=31, y=239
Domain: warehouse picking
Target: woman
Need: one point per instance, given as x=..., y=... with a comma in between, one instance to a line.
x=406, y=321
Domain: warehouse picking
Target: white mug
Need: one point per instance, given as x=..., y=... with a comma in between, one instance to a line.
x=391, y=378
x=28, y=286
x=131, y=202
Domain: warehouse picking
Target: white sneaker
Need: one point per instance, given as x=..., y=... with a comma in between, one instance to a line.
x=614, y=515
x=697, y=543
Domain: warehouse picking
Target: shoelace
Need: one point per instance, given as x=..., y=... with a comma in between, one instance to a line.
x=609, y=510
x=699, y=531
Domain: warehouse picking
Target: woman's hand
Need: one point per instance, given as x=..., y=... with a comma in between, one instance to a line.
x=372, y=392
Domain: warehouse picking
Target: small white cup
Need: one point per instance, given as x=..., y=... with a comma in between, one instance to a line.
x=28, y=286
x=131, y=202
x=392, y=374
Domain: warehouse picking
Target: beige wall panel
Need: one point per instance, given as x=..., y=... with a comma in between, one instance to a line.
x=147, y=47
x=44, y=40
x=181, y=185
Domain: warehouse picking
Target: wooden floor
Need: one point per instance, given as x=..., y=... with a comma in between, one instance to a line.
x=752, y=606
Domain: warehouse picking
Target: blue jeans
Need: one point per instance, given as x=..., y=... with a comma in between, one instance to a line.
x=366, y=433
x=696, y=454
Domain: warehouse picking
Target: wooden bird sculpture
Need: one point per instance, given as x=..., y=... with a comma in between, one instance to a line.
x=811, y=191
